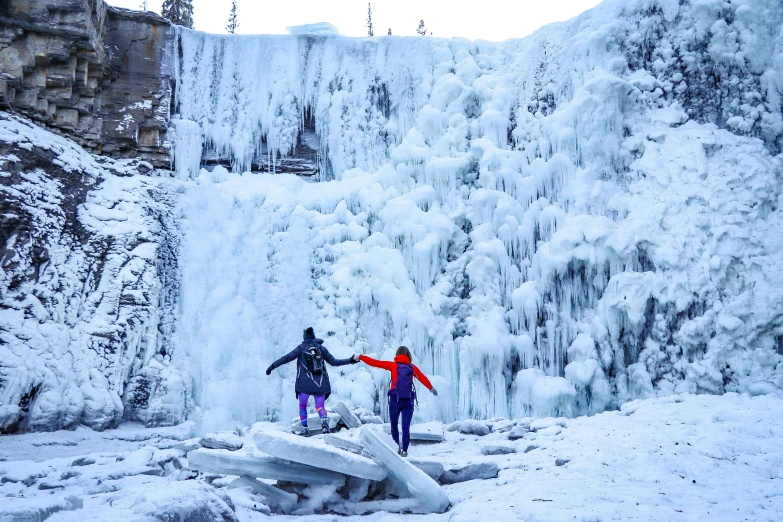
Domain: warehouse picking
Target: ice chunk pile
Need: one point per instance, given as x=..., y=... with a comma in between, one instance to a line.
x=318, y=454
x=430, y=496
x=316, y=468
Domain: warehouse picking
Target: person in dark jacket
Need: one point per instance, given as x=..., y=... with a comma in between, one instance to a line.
x=311, y=375
x=402, y=393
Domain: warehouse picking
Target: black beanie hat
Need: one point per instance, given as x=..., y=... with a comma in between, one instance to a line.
x=309, y=333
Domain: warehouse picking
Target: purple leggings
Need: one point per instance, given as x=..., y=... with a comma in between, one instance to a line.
x=319, y=406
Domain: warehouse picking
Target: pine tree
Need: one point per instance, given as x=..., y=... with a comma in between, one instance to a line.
x=233, y=21
x=143, y=5
x=421, y=31
x=178, y=12
x=369, y=21
x=389, y=33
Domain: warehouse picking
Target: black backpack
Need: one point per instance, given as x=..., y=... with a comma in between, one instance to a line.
x=313, y=359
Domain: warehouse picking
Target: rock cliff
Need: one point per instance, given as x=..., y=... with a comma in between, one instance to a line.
x=95, y=73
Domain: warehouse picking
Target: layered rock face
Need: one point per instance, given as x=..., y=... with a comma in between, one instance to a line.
x=93, y=72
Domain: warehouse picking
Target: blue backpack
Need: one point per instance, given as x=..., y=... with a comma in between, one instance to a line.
x=404, y=388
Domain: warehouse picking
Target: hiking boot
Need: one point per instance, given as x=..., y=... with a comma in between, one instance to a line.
x=325, y=425
x=399, y=450
x=304, y=431
x=404, y=454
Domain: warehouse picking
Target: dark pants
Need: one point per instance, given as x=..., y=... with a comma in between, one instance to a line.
x=402, y=407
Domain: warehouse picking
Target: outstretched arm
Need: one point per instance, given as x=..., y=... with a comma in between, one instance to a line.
x=287, y=358
x=335, y=362
x=422, y=378
x=384, y=365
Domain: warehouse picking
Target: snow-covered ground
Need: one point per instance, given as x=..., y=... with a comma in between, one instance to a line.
x=679, y=458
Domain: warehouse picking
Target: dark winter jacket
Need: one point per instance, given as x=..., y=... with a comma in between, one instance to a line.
x=305, y=381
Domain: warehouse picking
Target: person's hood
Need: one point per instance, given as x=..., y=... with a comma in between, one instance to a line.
x=402, y=358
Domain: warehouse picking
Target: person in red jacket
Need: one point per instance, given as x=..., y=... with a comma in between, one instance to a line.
x=402, y=393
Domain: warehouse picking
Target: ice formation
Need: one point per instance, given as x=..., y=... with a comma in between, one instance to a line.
x=88, y=282
x=554, y=225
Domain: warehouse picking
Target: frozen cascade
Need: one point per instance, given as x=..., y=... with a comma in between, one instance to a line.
x=554, y=225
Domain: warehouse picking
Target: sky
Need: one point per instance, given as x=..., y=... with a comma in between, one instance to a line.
x=493, y=20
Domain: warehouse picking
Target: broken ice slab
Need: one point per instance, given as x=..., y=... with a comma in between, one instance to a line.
x=314, y=452
x=425, y=432
x=277, y=499
x=433, y=468
x=350, y=420
x=346, y=444
x=260, y=466
x=429, y=494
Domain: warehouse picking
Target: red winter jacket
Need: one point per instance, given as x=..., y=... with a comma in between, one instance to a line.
x=392, y=367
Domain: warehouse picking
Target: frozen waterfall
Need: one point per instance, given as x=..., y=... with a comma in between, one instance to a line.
x=553, y=225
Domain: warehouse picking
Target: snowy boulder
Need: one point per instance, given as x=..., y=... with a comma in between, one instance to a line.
x=433, y=468
x=501, y=425
x=277, y=499
x=430, y=496
x=518, y=432
x=261, y=466
x=480, y=470
x=497, y=449
x=469, y=427
x=317, y=453
x=37, y=508
x=181, y=500
x=223, y=440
